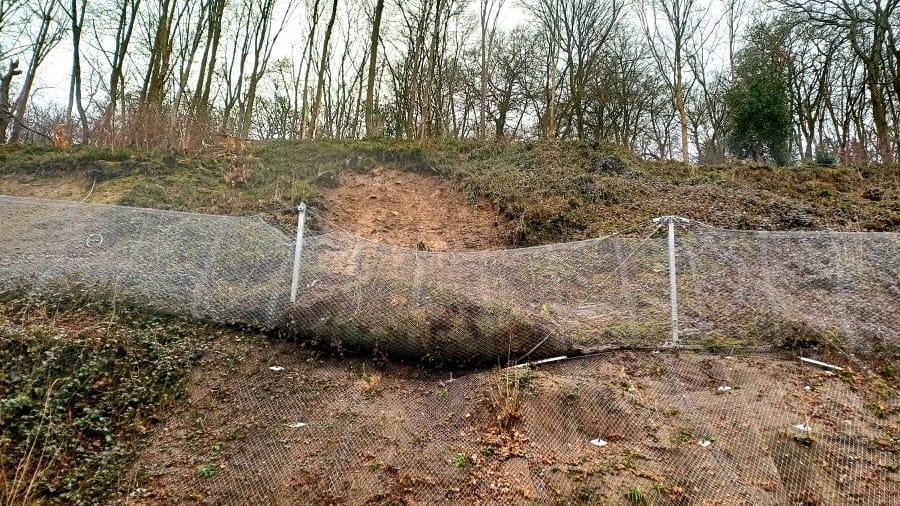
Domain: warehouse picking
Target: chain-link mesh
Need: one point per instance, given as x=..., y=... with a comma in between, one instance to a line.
x=788, y=288
x=736, y=288
x=682, y=428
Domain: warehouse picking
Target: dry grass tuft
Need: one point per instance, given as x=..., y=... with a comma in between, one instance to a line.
x=19, y=489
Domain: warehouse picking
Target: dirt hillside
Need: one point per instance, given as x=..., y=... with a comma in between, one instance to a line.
x=266, y=424
x=411, y=209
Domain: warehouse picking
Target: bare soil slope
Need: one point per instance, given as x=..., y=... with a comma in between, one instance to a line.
x=411, y=209
x=327, y=431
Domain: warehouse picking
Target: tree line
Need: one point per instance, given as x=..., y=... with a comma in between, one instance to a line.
x=690, y=80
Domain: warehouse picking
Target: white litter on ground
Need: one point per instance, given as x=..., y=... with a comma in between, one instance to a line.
x=276, y=368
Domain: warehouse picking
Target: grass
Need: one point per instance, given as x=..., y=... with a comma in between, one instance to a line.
x=506, y=397
x=552, y=191
x=636, y=497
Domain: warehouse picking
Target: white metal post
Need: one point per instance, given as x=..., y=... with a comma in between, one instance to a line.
x=673, y=282
x=673, y=287
x=298, y=250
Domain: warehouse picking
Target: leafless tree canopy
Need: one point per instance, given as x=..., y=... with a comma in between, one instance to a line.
x=647, y=74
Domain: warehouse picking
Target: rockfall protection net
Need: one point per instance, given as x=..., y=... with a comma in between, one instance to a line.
x=687, y=428
x=735, y=288
x=682, y=427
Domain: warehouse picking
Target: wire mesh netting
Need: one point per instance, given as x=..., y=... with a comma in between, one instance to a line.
x=683, y=427
x=735, y=287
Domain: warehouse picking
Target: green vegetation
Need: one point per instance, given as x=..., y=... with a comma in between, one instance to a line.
x=804, y=439
x=552, y=191
x=206, y=471
x=758, y=101
x=460, y=460
x=636, y=497
x=80, y=384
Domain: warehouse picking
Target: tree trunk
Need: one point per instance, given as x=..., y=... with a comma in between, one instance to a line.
x=550, y=113
x=5, y=81
x=679, y=105
x=320, y=86
x=426, y=128
x=373, y=63
x=76, y=16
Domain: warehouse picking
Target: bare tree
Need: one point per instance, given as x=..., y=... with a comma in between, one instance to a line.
x=264, y=39
x=126, y=14
x=9, y=10
x=49, y=33
x=373, y=65
x=489, y=13
x=669, y=25
x=75, y=11
x=734, y=13
x=867, y=28
x=587, y=25
x=548, y=13
x=320, y=85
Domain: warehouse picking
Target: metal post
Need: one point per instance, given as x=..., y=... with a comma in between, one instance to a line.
x=298, y=250
x=673, y=282
x=673, y=286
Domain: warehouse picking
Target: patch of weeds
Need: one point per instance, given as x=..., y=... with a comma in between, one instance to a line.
x=206, y=471
x=656, y=368
x=488, y=450
x=804, y=439
x=442, y=394
x=718, y=343
x=374, y=467
x=629, y=333
x=573, y=468
x=683, y=436
x=879, y=409
x=631, y=459
x=217, y=447
x=893, y=468
x=81, y=385
x=460, y=460
x=584, y=493
x=635, y=496
x=571, y=398
x=672, y=491
x=506, y=397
